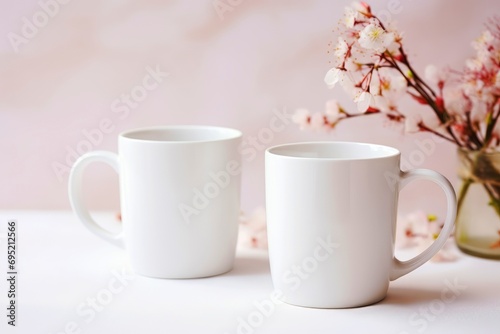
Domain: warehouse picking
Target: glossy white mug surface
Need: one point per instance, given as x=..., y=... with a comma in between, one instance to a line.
x=331, y=215
x=179, y=195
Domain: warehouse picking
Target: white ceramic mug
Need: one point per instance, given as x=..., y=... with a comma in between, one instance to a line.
x=331, y=215
x=179, y=195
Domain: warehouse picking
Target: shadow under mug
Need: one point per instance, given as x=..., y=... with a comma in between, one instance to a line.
x=331, y=219
x=179, y=196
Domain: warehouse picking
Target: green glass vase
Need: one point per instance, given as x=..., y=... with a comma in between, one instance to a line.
x=477, y=229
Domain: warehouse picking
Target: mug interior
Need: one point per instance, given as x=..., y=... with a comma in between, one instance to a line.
x=186, y=133
x=334, y=151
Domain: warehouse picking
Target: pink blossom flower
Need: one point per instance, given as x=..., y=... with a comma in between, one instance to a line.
x=412, y=225
x=418, y=230
x=317, y=121
x=448, y=253
x=302, y=118
x=409, y=227
x=253, y=229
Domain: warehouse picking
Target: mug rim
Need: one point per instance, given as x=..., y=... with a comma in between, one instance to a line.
x=391, y=151
x=231, y=134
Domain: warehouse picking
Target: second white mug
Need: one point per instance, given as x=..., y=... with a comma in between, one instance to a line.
x=331, y=215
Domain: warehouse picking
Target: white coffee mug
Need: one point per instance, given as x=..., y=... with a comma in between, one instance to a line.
x=331, y=215
x=179, y=195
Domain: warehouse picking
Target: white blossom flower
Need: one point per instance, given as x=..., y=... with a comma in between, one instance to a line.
x=382, y=103
x=351, y=65
x=391, y=88
x=487, y=48
x=335, y=75
x=350, y=17
x=412, y=123
x=341, y=49
x=375, y=85
x=364, y=101
x=332, y=111
x=474, y=64
x=398, y=85
x=456, y=103
x=478, y=111
x=431, y=121
x=431, y=73
x=373, y=37
x=393, y=47
x=361, y=7
x=434, y=75
x=484, y=41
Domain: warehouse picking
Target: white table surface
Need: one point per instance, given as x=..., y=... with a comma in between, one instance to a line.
x=62, y=266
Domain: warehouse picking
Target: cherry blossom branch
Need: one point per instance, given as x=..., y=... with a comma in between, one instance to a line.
x=371, y=64
x=425, y=128
x=472, y=133
x=414, y=73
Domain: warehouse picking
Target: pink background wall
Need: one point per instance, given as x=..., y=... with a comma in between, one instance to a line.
x=232, y=71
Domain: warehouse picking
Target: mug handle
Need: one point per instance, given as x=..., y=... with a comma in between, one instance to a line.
x=400, y=268
x=75, y=185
